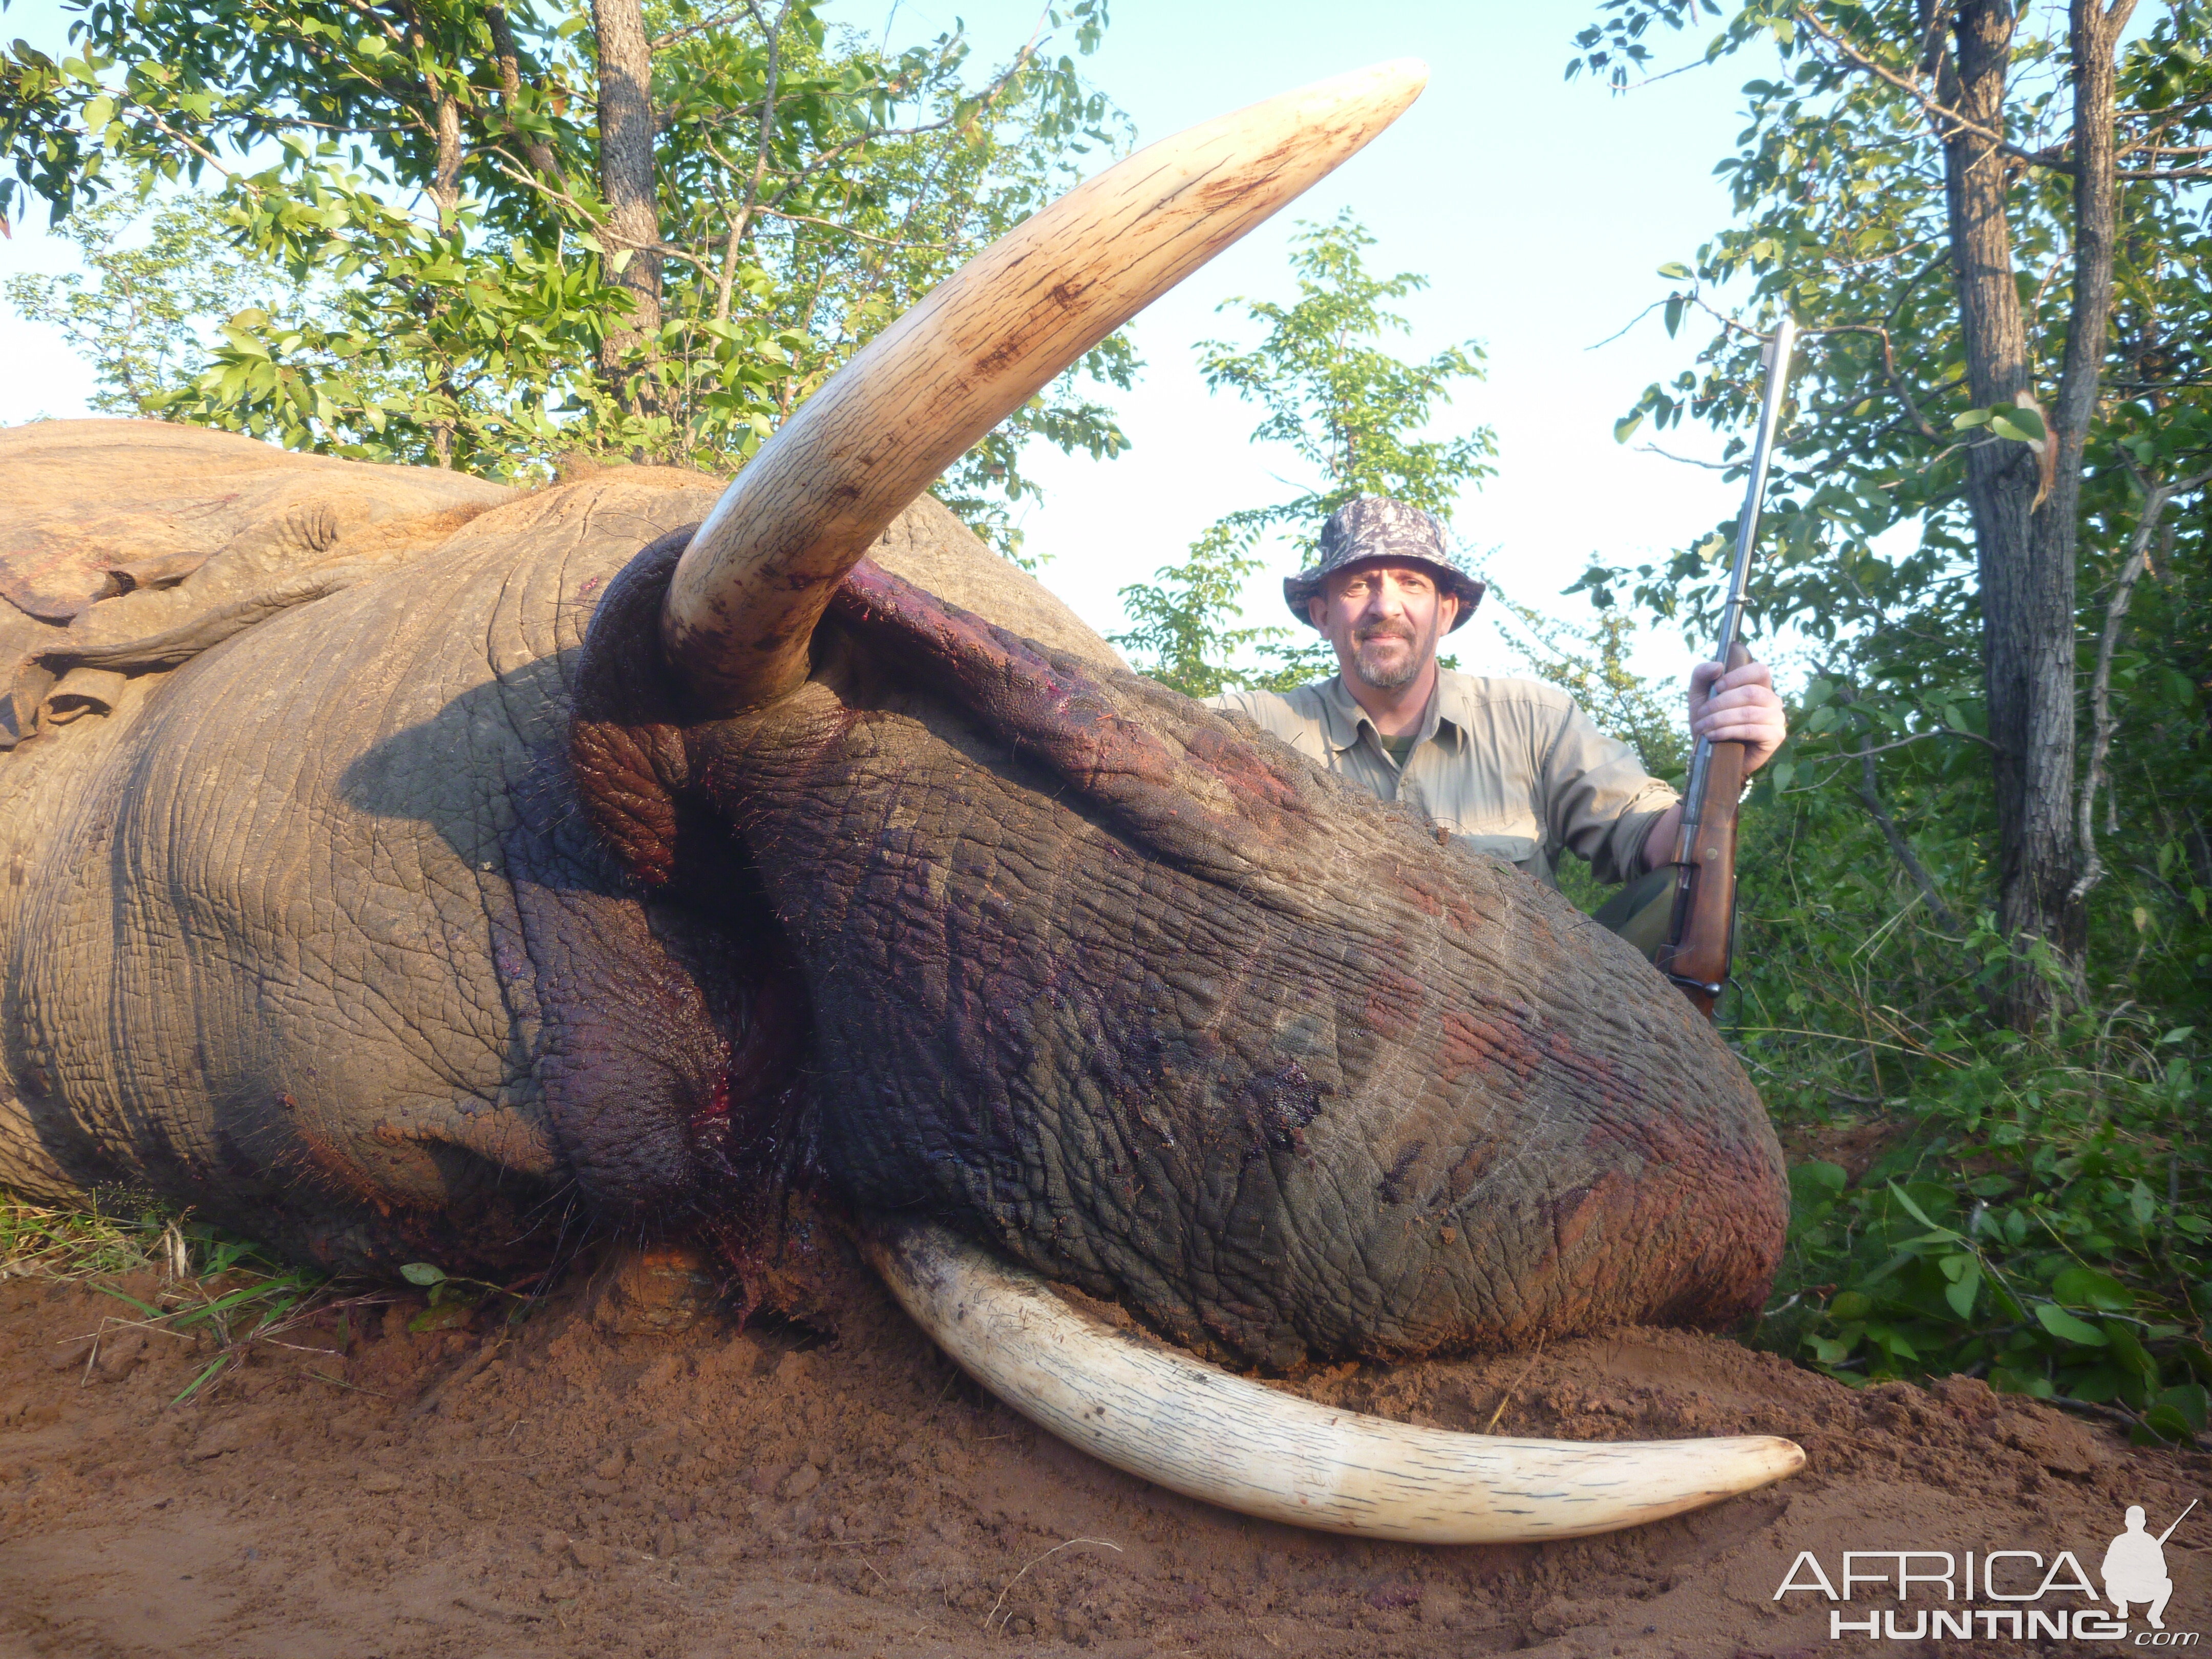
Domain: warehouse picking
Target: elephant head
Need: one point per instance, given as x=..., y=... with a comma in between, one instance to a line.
x=377, y=909
x=1099, y=983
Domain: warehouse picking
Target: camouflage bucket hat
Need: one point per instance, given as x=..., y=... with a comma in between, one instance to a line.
x=1375, y=527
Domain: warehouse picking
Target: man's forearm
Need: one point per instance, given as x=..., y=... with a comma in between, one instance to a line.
x=1661, y=839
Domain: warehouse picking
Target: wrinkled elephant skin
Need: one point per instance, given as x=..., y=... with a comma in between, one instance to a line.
x=422, y=913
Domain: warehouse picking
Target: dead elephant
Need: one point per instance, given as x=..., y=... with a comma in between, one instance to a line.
x=476, y=866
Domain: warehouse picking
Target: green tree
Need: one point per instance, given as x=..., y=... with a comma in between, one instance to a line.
x=1350, y=412
x=143, y=318
x=547, y=227
x=1591, y=665
x=1973, y=950
x=1991, y=237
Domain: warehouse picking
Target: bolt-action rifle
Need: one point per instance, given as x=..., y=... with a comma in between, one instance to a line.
x=1701, y=938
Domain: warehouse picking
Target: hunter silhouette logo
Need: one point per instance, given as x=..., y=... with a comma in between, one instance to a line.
x=2026, y=1599
x=2135, y=1567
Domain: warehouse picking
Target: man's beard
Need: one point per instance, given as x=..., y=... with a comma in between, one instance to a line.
x=1367, y=659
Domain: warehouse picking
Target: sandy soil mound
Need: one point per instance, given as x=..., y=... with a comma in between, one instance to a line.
x=595, y=1483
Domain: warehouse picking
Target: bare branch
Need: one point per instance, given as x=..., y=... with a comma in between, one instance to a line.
x=1869, y=796
x=1943, y=118
x=1688, y=460
x=661, y=43
x=2101, y=719
x=848, y=230
x=1866, y=754
x=742, y=219
x=1625, y=326
x=205, y=154
x=1926, y=427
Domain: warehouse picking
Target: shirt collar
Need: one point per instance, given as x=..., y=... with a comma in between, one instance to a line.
x=1342, y=717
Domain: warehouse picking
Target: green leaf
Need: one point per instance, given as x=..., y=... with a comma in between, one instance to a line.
x=1961, y=1292
x=199, y=1382
x=1893, y=1341
x=2161, y=1423
x=2129, y=1352
x=421, y=1273
x=1851, y=1304
x=1624, y=428
x=1973, y=417
x=2013, y=426
x=2085, y=1287
x=1815, y=1176
x=2066, y=1328
x=1916, y=1213
x=1675, y=270
x=2190, y=1401
x=2097, y=1384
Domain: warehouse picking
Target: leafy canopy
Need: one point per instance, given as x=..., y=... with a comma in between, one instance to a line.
x=415, y=187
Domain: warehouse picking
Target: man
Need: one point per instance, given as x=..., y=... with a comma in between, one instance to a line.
x=1509, y=766
x=2135, y=1569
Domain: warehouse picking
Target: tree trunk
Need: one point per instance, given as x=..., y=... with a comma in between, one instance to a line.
x=626, y=178
x=2023, y=520
x=2049, y=901
x=446, y=183
x=535, y=151
x=445, y=128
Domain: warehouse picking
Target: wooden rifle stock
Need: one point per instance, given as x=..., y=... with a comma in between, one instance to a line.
x=1701, y=938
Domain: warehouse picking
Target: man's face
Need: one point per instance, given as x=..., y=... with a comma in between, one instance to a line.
x=1384, y=620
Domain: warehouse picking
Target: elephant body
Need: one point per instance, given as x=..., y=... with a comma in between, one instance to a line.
x=419, y=919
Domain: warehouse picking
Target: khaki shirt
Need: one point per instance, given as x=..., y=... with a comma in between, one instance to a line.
x=1510, y=768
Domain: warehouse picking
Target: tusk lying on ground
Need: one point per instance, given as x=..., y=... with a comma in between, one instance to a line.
x=1160, y=1413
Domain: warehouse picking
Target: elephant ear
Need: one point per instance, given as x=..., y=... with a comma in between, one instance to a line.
x=136, y=545
x=100, y=510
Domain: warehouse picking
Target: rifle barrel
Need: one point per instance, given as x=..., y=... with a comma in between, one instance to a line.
x=1747, y=535
x=2178, y=1520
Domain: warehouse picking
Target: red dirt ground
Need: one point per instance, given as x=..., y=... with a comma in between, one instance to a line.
x=588, y=1486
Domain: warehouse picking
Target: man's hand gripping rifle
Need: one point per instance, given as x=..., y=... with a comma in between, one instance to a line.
x=1701, y=936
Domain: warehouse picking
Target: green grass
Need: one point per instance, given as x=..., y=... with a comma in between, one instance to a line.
x=219, y=1291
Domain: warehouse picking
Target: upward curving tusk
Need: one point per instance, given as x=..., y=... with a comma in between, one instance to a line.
x=1160, y=1413
x=753, y=582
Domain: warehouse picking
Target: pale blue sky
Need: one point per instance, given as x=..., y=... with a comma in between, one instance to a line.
x=1539, y=208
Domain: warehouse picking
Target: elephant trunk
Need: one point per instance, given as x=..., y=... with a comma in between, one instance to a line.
x=757, y=576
